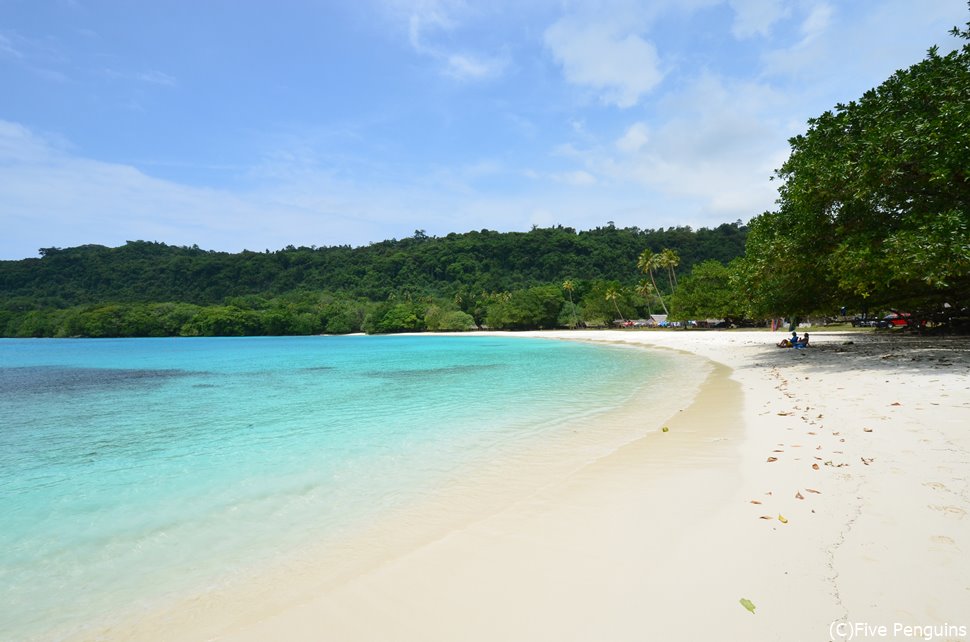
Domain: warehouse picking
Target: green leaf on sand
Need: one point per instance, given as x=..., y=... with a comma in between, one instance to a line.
x=748, y=604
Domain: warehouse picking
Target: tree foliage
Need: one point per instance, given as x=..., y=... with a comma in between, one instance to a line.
x=874, y=207
x=710, y=291
x=473, y=262
x=416, y=283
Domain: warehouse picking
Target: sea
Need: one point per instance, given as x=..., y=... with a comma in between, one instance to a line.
x=135, y=470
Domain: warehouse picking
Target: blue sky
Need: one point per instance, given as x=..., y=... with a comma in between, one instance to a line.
x=241, y=124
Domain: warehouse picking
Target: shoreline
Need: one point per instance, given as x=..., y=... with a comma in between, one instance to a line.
x=480, y=488
x=664, y=536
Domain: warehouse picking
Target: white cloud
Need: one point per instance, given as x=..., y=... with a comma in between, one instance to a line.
x=578, y=178
x=51, y=197
x=710, y=154
x=7, y=47
x=156, y=78
x=756, y=17
x=151, y=77
x=40, y=56
x=429, y=17
x=431, y=25
x=817, y=21
x=635, y=137
x=620, y=66
x=470, y=67
x=846, y=50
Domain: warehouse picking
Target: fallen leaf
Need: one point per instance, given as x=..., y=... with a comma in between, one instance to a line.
x=766, y=517
x=782, y=519
x=748, y=604
x=783, y=414
x=895, y=403
x=777, y=451
x=867, y=430
x=866, y=461
x=771, y=459
x=812, y=490
x=798, y=495
x=815, y=466
x=755, y=501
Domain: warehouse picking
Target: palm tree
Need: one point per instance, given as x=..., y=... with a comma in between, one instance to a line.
x=670, y=259
x=612, y=295
x=646, y=289
x=647, y=262
x=569, y=286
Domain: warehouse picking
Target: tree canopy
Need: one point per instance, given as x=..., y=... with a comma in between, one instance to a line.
x=504, y=280
x=874, y=205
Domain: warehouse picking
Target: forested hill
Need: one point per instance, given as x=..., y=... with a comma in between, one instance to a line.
x=420, y=265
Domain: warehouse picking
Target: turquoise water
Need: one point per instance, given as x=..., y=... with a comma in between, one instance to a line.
x=132, y=469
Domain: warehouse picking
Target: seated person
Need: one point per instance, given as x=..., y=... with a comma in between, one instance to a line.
x=801, y=343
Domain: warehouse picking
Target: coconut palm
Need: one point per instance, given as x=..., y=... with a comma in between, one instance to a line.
x=646, y=290
x=569, y=286
x=612, y=294
x=647, y=262
x=670, y=259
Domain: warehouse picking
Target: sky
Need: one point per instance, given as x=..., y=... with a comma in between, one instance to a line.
x=245, y=124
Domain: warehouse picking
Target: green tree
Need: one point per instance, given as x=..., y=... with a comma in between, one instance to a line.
x=668, y=259
x=709, y=291
x=874, y=202
x=528, y=309
x=223, y=321
x=647, y=262
x=401, y=317
x=646, y=290
x=612, y=294
x=456, y=321
x=568, y=286
x=598, y=309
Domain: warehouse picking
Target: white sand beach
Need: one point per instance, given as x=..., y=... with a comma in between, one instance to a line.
x=827, y=485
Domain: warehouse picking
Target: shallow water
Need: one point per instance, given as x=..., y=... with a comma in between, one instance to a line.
x=135, y=469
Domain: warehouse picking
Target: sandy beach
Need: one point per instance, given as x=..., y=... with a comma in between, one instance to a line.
x=830, y=487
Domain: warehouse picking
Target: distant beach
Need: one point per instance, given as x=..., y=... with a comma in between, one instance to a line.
x=801, y=492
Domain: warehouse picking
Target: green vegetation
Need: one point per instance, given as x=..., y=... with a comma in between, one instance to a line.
x=708, y=292
x=548, y=277
x=874, y=208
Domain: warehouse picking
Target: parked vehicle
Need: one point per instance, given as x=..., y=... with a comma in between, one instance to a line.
x=865, y=322
x=895, y=320
x=891, y=320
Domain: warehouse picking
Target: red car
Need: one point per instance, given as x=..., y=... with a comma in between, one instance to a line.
x=895, y=320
